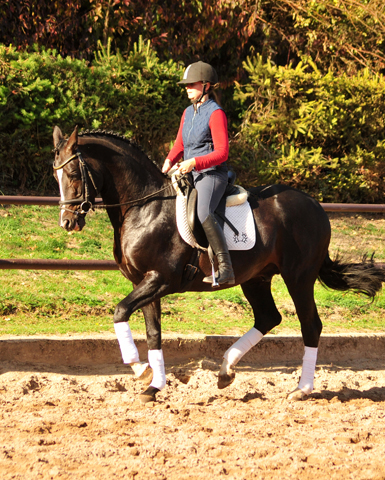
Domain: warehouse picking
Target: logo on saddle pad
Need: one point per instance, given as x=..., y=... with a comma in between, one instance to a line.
x=239, y=225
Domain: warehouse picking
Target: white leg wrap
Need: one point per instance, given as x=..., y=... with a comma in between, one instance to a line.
x=309, y=361
x=126, y=342
x=242, y=346
x=156, y=361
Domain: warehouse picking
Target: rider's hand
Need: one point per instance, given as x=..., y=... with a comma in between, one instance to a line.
x=187, y=165
x=166, y=166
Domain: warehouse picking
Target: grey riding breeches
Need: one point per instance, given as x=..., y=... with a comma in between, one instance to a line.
x=210, y=187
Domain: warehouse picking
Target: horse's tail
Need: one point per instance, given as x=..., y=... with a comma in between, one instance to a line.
x=365, y=277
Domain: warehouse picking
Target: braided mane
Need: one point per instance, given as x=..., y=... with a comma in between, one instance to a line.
x=118, y=136
x=109, y=134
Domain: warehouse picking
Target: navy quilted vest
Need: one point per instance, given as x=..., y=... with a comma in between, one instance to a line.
x=197, y=140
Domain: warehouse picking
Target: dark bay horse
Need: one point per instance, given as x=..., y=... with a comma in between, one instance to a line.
x=292, y=239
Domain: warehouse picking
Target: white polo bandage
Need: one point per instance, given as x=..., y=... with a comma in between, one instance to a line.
x=127, y=346
x=156, y=361
x=242, y=346
x=306, y=384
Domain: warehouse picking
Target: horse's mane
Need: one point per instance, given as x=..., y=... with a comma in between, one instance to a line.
x=118, y=136
x=109, y=134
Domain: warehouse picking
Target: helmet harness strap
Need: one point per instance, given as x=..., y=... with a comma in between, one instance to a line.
x=203, y=94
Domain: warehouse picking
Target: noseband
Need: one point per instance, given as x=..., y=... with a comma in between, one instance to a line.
x=84, y=201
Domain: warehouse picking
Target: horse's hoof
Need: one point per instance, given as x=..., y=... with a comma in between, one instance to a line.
x=148, y=395
x=146, y=376
x=226, y=380
x=296, y=395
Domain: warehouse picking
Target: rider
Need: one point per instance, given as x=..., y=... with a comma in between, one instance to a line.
x=203, y=141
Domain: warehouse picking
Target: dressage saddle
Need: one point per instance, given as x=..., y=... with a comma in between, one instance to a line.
x=234, y=195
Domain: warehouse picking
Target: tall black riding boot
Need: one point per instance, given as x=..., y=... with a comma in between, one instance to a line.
x=216, y=239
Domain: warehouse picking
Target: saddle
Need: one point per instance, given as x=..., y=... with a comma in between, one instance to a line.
x=234, y=195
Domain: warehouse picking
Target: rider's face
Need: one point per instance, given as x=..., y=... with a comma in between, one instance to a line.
x=194, y=90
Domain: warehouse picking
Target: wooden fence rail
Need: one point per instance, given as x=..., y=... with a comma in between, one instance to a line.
x=328, y=207
x=47, y=264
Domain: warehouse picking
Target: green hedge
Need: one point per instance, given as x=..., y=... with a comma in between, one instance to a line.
x=323, y=134
x=136, y=96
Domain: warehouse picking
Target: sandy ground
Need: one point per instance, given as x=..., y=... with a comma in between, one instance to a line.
x=87, y=423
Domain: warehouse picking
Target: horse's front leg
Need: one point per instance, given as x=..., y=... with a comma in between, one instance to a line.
x=146, y=295
x=130, y=354
x=152, y=316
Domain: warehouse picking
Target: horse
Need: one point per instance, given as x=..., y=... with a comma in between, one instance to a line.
x=292, y=239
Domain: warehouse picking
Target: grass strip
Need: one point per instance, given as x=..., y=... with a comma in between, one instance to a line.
x=74, y=302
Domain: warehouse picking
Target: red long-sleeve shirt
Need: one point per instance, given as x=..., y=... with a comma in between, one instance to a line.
x=218, y=127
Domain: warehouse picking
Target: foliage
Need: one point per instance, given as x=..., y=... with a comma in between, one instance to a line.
x=315, y=103
x=56, y=24
x=341, y=34
x=322, y=133
x=146, y=103
x=136, y=96
x=217, y=31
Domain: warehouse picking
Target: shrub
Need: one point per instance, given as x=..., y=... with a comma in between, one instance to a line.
x=320, y=133
x=136, y=96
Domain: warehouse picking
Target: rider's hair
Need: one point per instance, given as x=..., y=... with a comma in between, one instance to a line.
x=214, y=95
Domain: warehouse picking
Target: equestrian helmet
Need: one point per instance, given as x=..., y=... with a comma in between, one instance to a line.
x=199, y=72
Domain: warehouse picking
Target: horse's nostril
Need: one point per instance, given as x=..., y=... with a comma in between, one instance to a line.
x=65, y=224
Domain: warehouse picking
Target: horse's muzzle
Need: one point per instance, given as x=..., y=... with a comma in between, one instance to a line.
x=72, y=221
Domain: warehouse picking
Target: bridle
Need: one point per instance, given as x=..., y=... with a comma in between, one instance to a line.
x=84, y=201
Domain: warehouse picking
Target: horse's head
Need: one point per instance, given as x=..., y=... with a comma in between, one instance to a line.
x=77, y=193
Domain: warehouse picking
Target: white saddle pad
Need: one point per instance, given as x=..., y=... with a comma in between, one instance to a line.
x=241, y=216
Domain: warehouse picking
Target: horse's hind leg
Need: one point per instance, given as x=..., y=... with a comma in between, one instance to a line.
x=302, y=294
x=266, y=316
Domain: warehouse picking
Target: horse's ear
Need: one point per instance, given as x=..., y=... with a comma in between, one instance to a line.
x=72, y=144
x=57, y=136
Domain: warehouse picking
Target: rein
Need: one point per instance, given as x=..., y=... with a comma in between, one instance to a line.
x=85, y=204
